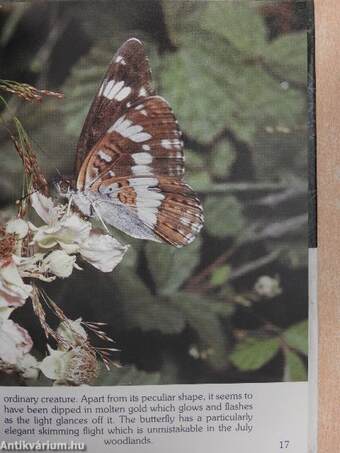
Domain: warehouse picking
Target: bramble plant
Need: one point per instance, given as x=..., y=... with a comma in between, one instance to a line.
x=45, y=253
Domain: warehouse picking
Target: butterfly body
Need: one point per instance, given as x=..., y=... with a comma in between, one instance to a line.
x=130, y=161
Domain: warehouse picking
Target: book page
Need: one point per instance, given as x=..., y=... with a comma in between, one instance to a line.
x=158, y=226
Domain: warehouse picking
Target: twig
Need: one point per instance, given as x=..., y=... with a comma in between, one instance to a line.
x=254, y=265
x=281, y=197
x=244, y=187
x=278, y=229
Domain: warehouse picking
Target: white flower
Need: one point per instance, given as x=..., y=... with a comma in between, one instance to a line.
x=15, y=342
x=18, y=227
x=74, y=235
x=59, y=263
x=77, y=366
x=102, y=251
x=268, y=287
x=13, y=291
x=55, y=365
x=68, y=233
x=72, y=331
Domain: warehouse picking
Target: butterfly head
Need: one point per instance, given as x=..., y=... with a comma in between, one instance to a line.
x=64, y=186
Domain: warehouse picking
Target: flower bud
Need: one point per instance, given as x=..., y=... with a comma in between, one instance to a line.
x=267, y=287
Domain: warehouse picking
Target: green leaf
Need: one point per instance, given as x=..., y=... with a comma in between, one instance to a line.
x=127, y=375
x=296, y=337
x=287, y=57
x=225, y=91
x=194, y=161
x=252, y=354
x=170, y=267
x=223, y=216
x=220, y=275
x=141, y=309
x=240, y=24
x=222, y=159
x=181, y=17
x=199, y=180
x=204, y=64
x=294, y=369
x=281, y=156
x=204, y=316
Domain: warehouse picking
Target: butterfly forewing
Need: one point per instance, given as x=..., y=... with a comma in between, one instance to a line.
x=133, y=170
x=143, y=141
x=127, y=79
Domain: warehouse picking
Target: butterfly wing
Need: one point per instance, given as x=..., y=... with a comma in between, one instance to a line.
x=154, y=208
x=127, y=78
x=133, y=173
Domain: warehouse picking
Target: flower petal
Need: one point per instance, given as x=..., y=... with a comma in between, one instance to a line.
x=55, y=364
x=60, y=263
x=15, y=341
x=28, y=365
x=18, y=227
x=71, y=331
x=13, y=291
x=102, y=251
x=43, y=206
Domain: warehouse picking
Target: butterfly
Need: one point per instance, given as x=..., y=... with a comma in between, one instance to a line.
x=129, y=161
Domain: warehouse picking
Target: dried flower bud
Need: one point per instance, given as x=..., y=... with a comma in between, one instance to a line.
x=83, y=367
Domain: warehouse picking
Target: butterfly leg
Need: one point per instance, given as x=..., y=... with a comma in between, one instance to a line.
x=97, y=213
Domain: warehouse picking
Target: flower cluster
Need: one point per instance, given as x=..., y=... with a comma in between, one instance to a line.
x=47, y=252
x=76, y=364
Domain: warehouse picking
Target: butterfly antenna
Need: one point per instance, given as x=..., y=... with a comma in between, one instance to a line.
x=69, y=205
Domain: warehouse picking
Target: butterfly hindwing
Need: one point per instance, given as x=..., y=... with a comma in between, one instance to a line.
x=128, y=78
x=166, y=206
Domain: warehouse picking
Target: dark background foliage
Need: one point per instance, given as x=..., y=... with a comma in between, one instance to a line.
x=235, y=75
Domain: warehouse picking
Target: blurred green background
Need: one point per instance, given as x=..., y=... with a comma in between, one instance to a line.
x=235, y=74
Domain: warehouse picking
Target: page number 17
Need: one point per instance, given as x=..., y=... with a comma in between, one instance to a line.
x=284, y=444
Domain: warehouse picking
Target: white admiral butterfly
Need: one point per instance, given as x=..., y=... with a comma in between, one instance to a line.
x=130, y=164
